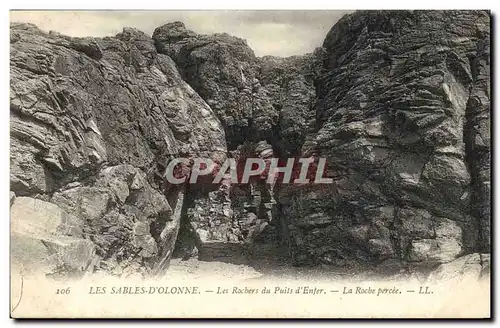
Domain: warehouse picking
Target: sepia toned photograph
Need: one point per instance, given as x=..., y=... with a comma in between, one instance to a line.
x=250, y=164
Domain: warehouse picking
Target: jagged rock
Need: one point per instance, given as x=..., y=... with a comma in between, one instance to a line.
x=478, y=139
x=395, y=102
x=290, y=85
x=12, y=197
x=251, y=96
x=263, y=103
x=172, y=33
x=471, y=267
x=114, y=212
x=94, y=122
x=398, y=102
x=232, y=213
x=224, y=71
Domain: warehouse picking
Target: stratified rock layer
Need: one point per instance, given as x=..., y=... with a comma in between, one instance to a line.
x=265, y=107
x=398, y=102
x=94, y=123
x=402, y=116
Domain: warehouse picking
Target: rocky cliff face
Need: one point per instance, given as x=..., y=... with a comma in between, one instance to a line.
x=397, y=102
x=94, y=123
x=402, y=116
x=264, y=105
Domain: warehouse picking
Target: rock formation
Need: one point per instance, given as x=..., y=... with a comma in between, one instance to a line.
x=398, y=102
x=93, y=126
x=402, y=116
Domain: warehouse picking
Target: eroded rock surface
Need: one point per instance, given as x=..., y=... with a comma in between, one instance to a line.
x=46, y=238
x=471, y=267
x=94, y=123
x=265, y=106
x=398, y=102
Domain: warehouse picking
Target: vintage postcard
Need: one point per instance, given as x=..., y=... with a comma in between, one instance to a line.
x=250, y=164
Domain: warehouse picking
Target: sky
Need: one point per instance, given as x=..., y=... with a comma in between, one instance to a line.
x=277, y=33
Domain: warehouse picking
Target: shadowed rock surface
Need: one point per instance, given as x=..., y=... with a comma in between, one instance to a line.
x=398, y=102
